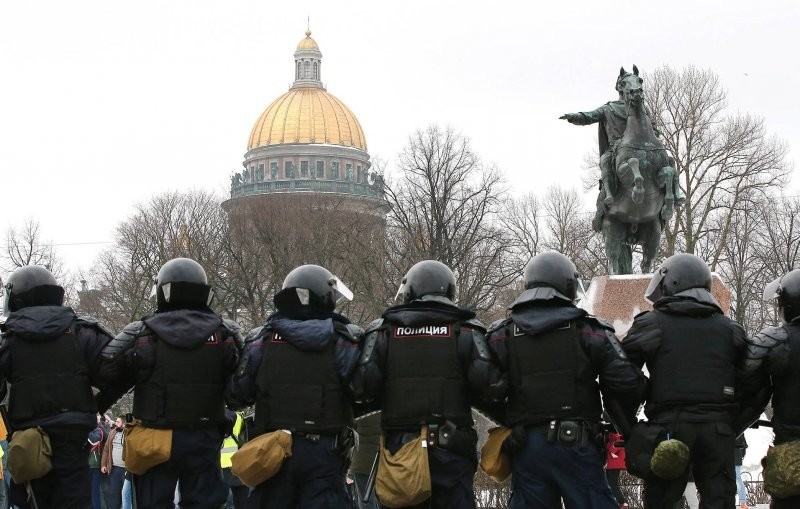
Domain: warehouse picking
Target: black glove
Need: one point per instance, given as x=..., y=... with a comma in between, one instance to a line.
x=515, y=441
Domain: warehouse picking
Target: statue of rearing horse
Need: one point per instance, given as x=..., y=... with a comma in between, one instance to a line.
x=642, y=189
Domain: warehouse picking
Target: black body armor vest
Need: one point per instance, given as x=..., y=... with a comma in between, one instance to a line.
x=186, y=387
x=550, y=377
x=425, y=381
x=695, y=363
x=784, y=367
x=48, y=378
x=300, y=390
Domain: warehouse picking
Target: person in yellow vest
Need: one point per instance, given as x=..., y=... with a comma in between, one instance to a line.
x=3, y=448
x=238, y=436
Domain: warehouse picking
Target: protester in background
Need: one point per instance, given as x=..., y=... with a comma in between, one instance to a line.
x=741, y=449
x=237, y=496
x=3, y=474
x=112, y=464
x=96, y=441
x=615, y=463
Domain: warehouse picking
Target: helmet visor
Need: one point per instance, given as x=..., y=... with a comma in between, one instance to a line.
x=401, y=289
x=772, y=290
x=340, y=291
x=5, y=291
x=654, y=290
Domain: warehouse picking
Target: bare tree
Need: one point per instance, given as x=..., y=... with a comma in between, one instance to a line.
x=443, y=206
x=723, y=160
x=25, y=246
x=170, y=225
x=522, y=220
x=569, y=231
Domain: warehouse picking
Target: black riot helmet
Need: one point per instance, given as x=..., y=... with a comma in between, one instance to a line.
x=311, y=285
x=428, y=280
x=787, y=290
x=682, y=274
x=182, y=284
x=550, y=275
x=31, y=285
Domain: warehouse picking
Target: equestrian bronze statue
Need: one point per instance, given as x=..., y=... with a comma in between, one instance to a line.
x=639, y=189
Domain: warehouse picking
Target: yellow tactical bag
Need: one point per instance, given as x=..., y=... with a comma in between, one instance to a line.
x=145, y=447
x=29, y=454
x=404, y=478
x=494, y=461
x=782, y=470
x=261, y=458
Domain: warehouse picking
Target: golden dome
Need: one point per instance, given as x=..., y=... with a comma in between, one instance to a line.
x=308, y=42
x=307, y=115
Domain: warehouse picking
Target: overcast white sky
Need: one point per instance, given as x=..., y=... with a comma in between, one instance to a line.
x=103, y=104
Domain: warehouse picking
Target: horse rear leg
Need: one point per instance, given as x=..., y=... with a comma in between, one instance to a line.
x=637, y=194
x=650, y=235
x=666, y=178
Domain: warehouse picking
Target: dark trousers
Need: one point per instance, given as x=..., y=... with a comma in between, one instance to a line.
x=451, y=477
x=785, y=503
x=613, y=482
x=545, y=472
x=68, y=484
x=360, y=485
x=194, y=463
x=237, y=498
x=116, y=478
x=312, y=478
x=711, y=446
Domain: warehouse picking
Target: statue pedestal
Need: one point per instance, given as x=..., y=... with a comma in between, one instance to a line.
x=618, y=299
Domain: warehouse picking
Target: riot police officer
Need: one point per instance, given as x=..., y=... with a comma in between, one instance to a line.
x=179, y=360
x=297, y=371
x=772, y=368
x=552, y=353
x=51, y=358
x=424, y=363
x=691, y=350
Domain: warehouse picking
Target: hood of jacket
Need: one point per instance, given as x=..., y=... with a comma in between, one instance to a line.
x=689, y=306
x=40, y=323
x=421, y=312
x=538, y=317
x=184, y=328
x=313, y=334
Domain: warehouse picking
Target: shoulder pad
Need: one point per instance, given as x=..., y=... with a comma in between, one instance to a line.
x=256, y=333
x=600, y=321
x=135, y=329
x=92, y=322
x=475, y=323
x=374, y=325
x=770, y=337
x=231, y=326
x=641, y=314
x=356, y=332
x=499, y=324
x=124, y=340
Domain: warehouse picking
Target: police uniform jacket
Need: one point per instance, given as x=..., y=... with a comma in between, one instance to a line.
x=772, y=369
x=297, y=369
x=426, y=362
x=552, y=353
x=51, y=358
x=179, y=362
x=692, y=351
